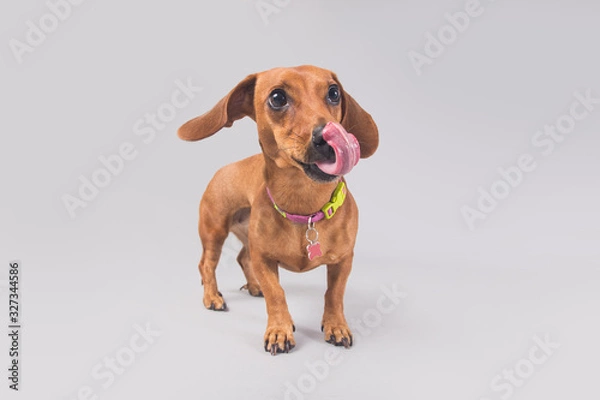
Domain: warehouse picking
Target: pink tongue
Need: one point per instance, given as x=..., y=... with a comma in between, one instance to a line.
x=345, y=146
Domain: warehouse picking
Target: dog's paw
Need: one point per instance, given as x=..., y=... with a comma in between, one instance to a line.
x=253, y=290
x=337, y=334
x=214, y=302
x=279, y=338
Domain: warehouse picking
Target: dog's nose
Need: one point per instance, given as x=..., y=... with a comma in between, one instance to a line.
x=320, y=145
x=317, y=136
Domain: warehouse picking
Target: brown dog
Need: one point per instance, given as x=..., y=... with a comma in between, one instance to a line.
x=305, y=152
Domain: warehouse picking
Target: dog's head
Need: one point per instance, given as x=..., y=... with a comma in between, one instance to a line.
x=303, y=116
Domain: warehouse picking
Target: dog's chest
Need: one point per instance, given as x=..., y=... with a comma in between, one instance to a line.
x=298, y=248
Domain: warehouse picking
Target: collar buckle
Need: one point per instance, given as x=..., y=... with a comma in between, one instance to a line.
x=337, y=199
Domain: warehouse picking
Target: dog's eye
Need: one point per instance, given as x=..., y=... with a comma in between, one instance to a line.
x=277, y=99
x=333, y=95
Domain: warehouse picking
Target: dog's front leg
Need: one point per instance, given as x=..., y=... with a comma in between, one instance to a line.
x=279, y=336
x=334, y=323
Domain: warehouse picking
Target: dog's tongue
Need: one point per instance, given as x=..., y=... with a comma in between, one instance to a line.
x=345, y=146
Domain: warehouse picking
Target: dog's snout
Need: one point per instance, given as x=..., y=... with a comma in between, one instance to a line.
x=321, y=147
x=317, y=136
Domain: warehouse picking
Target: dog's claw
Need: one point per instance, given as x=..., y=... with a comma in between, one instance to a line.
x=345, y=339
x=279, y=342
x=293, y=328
x=322, y=328
x=214, y=308
x=345, y=343
x=279, y=337
x=275, y=349
x=258, y=293
x=288, y=346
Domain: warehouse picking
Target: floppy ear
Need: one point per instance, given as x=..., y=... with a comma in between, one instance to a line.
x=236, y=105
x=359, y=122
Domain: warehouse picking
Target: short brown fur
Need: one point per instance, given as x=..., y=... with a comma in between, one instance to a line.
x=236, y=199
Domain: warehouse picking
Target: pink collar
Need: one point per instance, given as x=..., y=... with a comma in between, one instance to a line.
x=327, y=211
